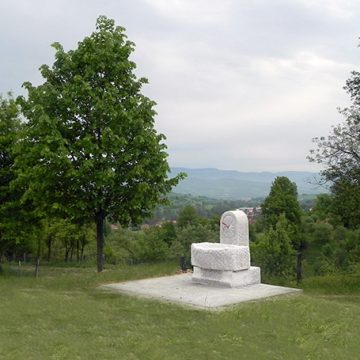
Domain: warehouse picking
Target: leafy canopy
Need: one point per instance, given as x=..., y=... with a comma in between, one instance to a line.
x=274, y=251
x=91, y=147
x=339, y=153
x=282, y=199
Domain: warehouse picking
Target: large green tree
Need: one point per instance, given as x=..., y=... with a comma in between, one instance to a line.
x=282, y=199
x=339, y=153
x=345, y=205
x=274, y=250
x=91, y=150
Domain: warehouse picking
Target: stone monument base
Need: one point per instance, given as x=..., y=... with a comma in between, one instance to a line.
x=182, y=290
x=230, y=279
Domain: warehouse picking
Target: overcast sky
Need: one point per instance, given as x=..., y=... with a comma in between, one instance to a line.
x=240, y=84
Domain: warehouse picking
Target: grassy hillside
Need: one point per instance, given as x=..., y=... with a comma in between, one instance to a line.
x=62, y=315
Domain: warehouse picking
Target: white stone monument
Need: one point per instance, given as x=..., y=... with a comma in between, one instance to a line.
x=226, y=263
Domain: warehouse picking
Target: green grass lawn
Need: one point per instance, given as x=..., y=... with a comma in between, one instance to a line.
x=62, y=315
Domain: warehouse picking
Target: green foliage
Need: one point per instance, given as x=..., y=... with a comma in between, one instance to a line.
x=165, y=242
x=91, y=151
x=282, y=205
x=330, y=248
x=121, y=246
x=321, y=233
x=282, y=199
x=168, y=232
x=152, y=246
x=322, y=209
x=339, y=152
x=10, y=211
x=187, y=216
x=9, y=133
x=62, y=239
x=341, y=207
x=124, y=246
x=273, y=250
x=345, y=205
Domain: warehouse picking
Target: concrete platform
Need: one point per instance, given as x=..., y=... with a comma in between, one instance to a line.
x=182, y=290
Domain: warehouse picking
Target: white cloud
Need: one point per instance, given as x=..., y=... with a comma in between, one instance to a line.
x=193, y=11
x=302, y=62
x=239, y=84
x=341, y=9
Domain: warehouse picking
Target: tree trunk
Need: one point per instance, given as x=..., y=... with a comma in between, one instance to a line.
x=49, y=245
x=71, y=252
x=100, y=239
x=77, y=250
x=82, y=252
x=37, y=265
x=299, y=260
x=67, y=252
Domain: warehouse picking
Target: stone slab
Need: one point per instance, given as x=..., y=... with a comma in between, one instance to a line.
x=215, y=256
x=182, y=290
x=231, y=279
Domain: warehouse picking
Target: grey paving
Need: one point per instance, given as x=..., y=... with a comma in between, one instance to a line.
x=181, y=289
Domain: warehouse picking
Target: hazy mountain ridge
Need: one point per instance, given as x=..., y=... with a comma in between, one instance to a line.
x=232, y=184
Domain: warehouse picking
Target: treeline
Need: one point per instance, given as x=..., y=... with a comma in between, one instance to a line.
x=50, y=240
x=56, y=241
x=286, y=242
x=290, y=242
x=208, y=207
x=205, y=207
x=169, y=241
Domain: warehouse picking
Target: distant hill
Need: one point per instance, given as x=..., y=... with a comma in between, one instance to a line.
x=236, y=185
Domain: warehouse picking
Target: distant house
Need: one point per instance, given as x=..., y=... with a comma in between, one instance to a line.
x=253, y=213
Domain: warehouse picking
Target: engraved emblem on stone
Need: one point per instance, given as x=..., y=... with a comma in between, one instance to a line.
x=228, y=226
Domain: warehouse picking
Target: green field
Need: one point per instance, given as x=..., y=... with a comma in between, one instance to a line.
x=62, y=315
